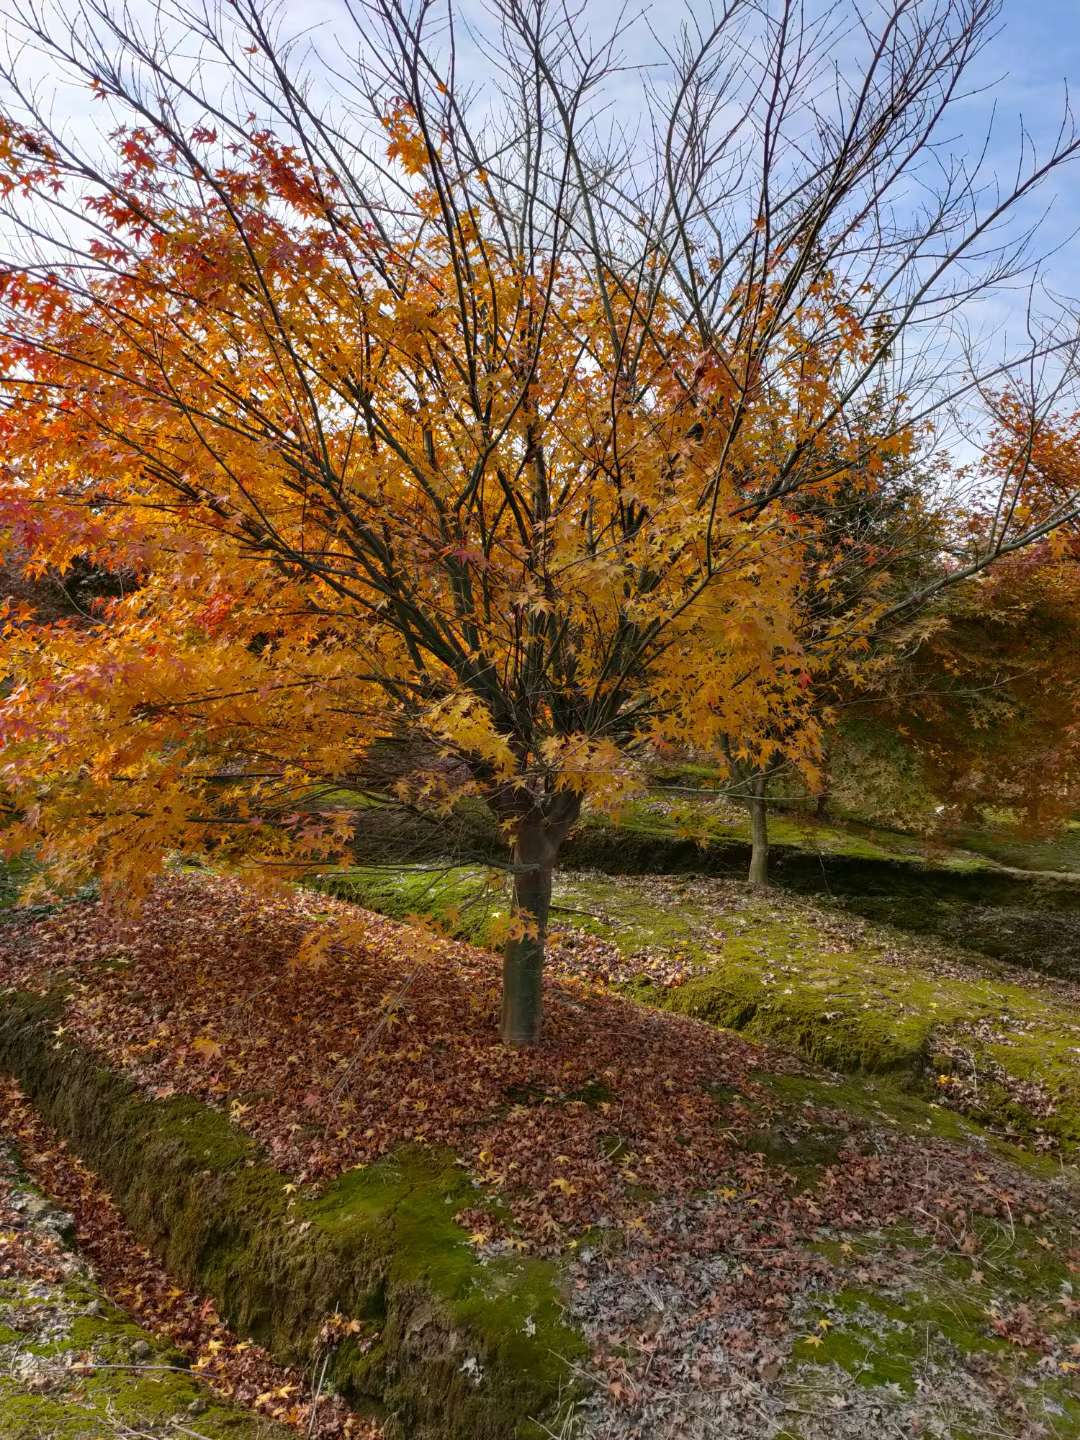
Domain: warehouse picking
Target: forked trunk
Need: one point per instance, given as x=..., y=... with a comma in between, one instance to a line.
x=759, y=832
x=535, y=849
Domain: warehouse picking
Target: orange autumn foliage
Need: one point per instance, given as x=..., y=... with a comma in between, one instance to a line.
x=425, y=486
x=350, y=519
x=983, y=687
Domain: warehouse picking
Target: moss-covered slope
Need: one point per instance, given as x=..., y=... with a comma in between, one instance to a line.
x=844, y=994
x=454, y=1348
x=74, y=1367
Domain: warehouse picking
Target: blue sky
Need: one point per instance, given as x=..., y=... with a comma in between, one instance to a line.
x=1029, y=64
x=1034, y=57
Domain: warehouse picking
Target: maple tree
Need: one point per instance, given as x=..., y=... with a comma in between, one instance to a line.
x=965, y=674
x=450, y=449
x=997, y=720
x=983, y=687
x=872, y=541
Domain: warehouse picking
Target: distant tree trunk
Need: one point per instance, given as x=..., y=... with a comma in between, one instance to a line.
x=821, y=804
x=537, y=841
x=759, y=832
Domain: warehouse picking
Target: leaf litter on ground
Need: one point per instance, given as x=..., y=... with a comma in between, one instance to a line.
x=44, y=1249
x=659, y=1159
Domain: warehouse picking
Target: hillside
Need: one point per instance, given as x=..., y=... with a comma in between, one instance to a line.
x=650, y=1226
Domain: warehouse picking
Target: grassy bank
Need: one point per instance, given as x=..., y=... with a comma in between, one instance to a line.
x=955, y=894
x=380, y=1245
x=846, y=993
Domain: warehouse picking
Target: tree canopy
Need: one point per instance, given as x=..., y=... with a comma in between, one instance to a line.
x=434, y=428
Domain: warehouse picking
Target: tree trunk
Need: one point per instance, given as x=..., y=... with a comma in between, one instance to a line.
x=821, y=808
x=759, y=832
x=535, y=849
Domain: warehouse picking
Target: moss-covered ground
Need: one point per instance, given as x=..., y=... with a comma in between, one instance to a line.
x=690, y=800
x=919, y=1326
x=1025, y=916
x=920, y=1320
x=1007, y=845
x=73, y=1366
x=645, y=1216
x=993, y=1042
x=710, y=821
x=987, y=888
x=962, y=1328
x=467, y=901
x=690, y=803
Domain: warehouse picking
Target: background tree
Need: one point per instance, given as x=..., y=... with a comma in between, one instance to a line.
x=454, y=420
x=983, y=686
x=873, y=552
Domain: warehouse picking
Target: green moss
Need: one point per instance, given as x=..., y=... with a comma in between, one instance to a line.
x=884, y=1341
x=890, y=1100
x=1008, y=845
x=804, y=1153
x=806, y=1123
x=107, y=1403
x=18, y=871
x=938, y=1310
x=879, y=1100
x=15, y=872
x=467, y=1349
x=618, y=913
x=881, y=873
x=856, y=1347
x=828, y=1007
x=110, y=1335
x=854, y=1012
x=29, y=1417
x=724, y=827
x=466, y=901
x=126, y=1381
x=1026, y=1262
x=688, y=772
x=508, y=1309
x=216, y=1144
x=956, y=895
x=776, y=981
